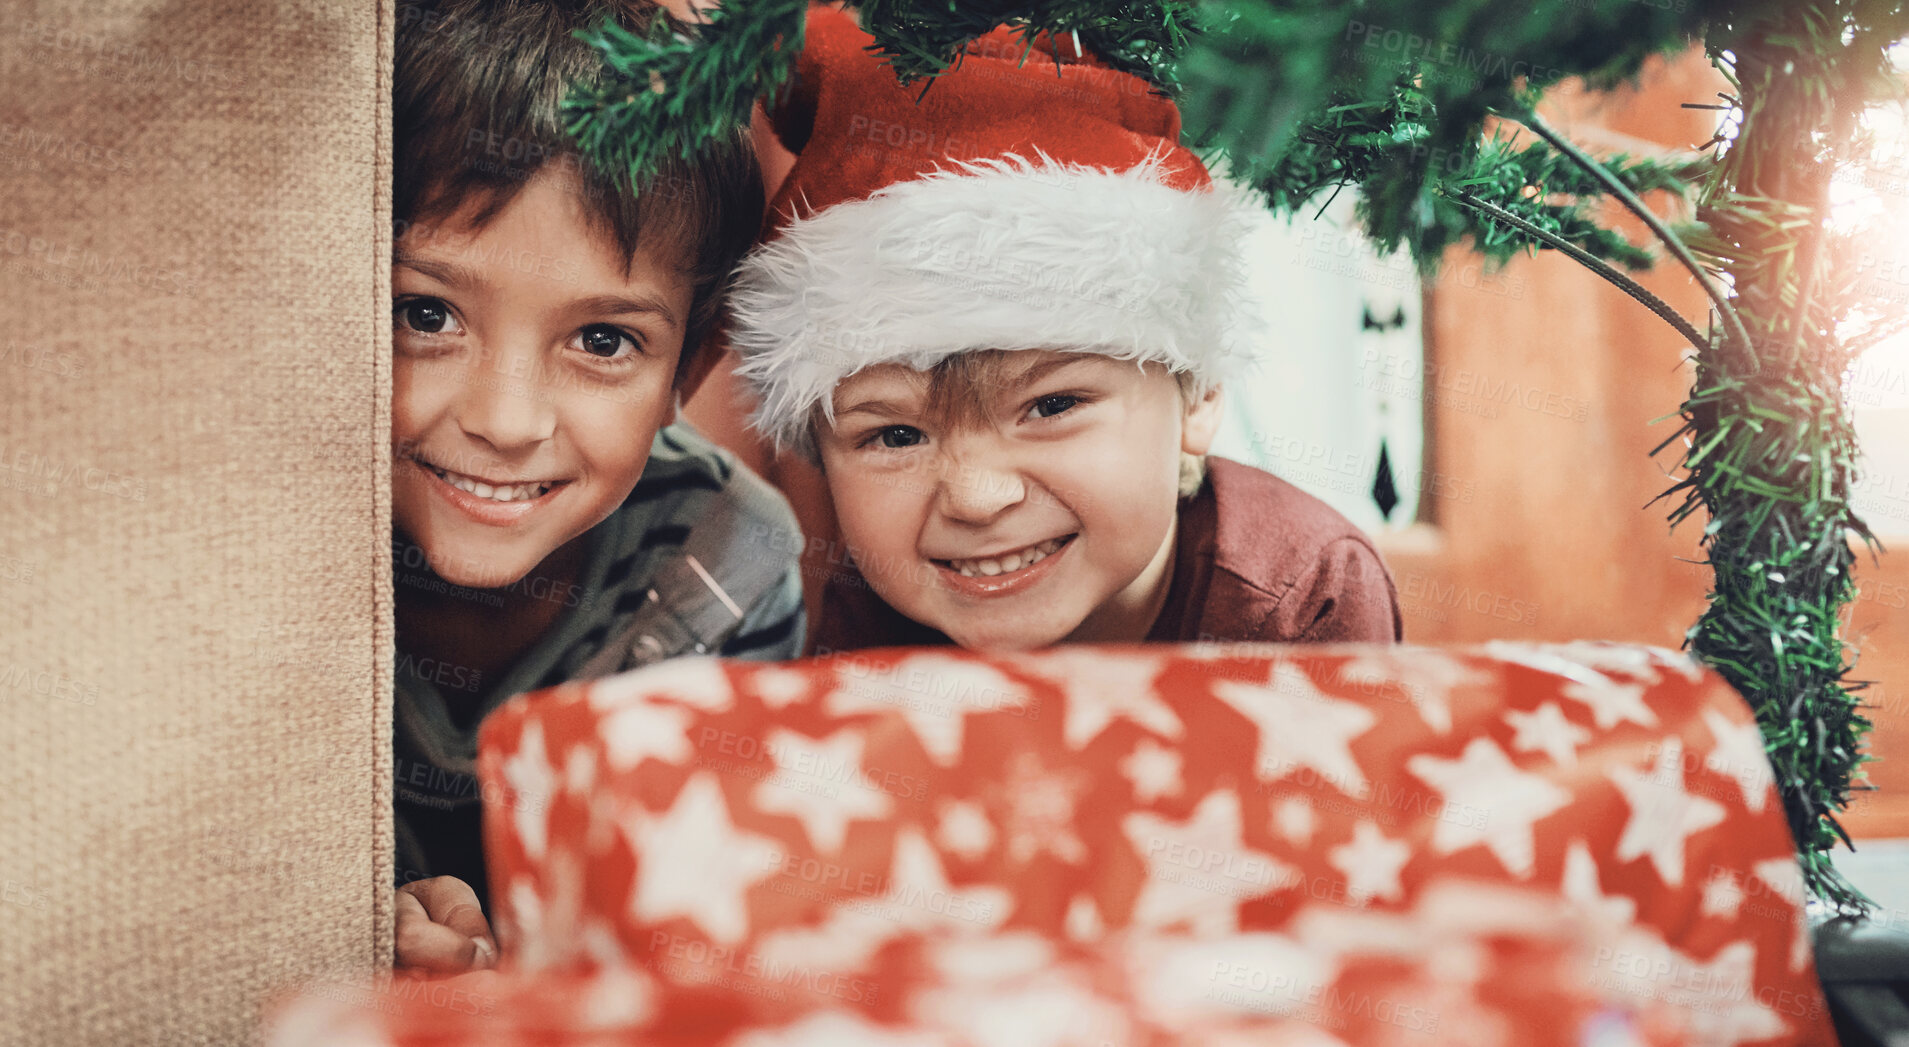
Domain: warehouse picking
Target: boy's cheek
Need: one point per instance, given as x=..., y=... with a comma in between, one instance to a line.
x=879, y=529
x=615, y=423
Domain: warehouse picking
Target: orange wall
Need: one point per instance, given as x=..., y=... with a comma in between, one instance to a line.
x=1536, y=526
x=1542, y=532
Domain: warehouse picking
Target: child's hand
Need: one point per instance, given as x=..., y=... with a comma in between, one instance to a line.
x=442, y=928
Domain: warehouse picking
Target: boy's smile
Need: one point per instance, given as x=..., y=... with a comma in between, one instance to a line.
x=494, y=501
x=1047, y=516
x=531, y=370
x=1002, y=573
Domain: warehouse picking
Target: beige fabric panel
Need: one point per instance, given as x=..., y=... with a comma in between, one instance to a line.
x=195, y=596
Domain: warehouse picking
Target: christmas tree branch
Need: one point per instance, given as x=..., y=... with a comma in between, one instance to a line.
x=1589, y=261
x=1733, y=323
x=668, y=89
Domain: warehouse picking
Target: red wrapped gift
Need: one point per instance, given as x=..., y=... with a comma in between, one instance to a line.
x=1141, y=847
x=1510, y=844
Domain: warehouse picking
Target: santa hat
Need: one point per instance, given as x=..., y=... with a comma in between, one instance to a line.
x=1025, y=200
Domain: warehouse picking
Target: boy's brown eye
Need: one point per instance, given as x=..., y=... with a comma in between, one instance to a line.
x=604, y=340
x=1049, y=406
x=425, y=315
x=899, y=436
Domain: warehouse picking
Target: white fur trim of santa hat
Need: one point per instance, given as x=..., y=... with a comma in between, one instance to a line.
x=993, y=254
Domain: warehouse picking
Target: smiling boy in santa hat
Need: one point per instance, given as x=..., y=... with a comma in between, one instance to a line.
x=998, y=314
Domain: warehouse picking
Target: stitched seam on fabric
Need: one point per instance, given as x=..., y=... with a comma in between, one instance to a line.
x=383, y=827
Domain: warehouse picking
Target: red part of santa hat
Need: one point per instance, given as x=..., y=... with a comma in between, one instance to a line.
x=1019, y=203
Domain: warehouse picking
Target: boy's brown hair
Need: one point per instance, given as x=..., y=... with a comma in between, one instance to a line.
x=477, y=112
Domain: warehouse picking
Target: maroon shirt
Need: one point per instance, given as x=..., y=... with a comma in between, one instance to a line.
x=1255, y=560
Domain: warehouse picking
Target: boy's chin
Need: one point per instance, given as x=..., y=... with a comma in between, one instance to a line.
x=486, y=579
x=1006, y=640
x=479, y=572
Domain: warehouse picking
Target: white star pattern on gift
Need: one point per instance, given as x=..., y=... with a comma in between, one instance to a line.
x=1008, y=991
x=1720, y=999
x=1174, y=978
x=1483, y=780
x=779, y=688
x=580, y=770
x=1740, y=756
x=1611, y=913
x=1294, y=819
x=840, y=1029
x=991, y=960
x=845, y=940
x=1371, y=864
x=1723, y=894
x=917, y=898
x=533, y=783
x=1611, y=702
x=693, y=862
x=949, y=688
x=820, y=784
x=1082, y=922
x=1662, y=813
x=597, y=940
x=526, y=921
x=962, y=829
x=696, y=682
x=1711, y=1004
x=1101, y=687
x=1785, y=877
x=1039, y=806
x=1547, y=731
x=919, y=885
x=1301, y=726
x=1153, y=769
x=1047, y=1008
x=1199, y=870
x=1642, y=663
x=1444, y=925
x=1428, y=676
x=1550, y=659
x=618, y=1000
x=646, y=729
x=1556, y=660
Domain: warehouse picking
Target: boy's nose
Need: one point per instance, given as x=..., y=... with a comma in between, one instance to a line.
x=503, y=409
x=976, y=491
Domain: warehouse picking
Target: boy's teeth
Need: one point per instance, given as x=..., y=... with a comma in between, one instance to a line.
x=1009, y=563
x=505, y=493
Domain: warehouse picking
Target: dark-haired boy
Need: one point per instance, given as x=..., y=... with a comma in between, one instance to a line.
x=549, y=522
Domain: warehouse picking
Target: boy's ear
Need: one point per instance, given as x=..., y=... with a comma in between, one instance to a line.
x=1201, y=422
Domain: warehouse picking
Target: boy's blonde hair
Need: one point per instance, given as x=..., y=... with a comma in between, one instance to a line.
x=958, y=398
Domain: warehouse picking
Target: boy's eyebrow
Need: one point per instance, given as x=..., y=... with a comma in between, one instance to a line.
x=444, y=272
x=1032, y=373
x=1036, y=372
x=873, y=407
x=462, y=276
x=613, y=304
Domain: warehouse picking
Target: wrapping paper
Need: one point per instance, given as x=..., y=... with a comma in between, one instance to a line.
x=1513, y=844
